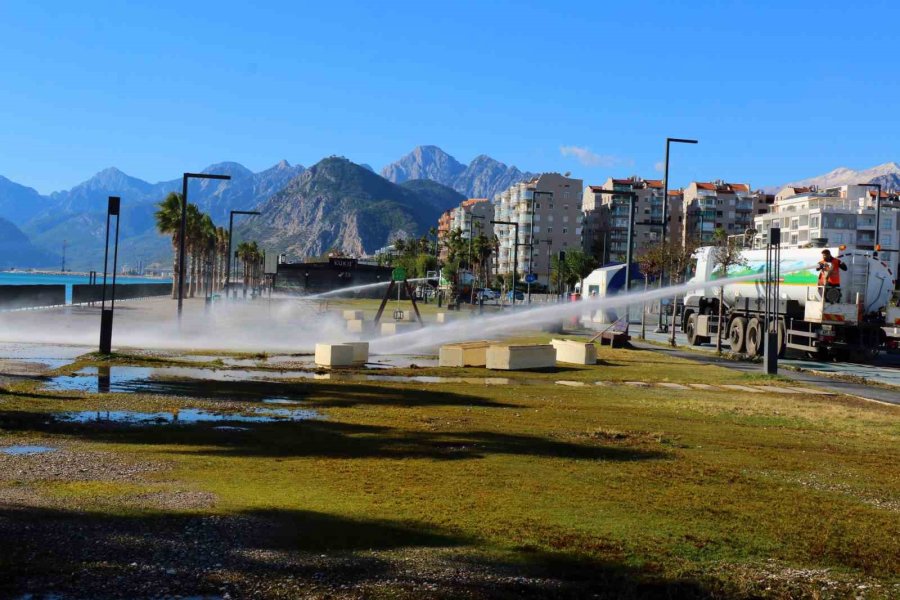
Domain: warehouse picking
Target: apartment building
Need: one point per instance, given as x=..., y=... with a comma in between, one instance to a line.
x=708, y=206
x=833, y=216
x=473, y=215
x=606, y=217
x=554, y=200
x=445, y=222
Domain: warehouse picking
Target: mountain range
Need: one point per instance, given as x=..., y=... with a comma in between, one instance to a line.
x=340, y=204
x=887, y=174
x=484, y=177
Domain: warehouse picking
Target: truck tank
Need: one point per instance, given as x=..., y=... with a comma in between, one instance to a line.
x=865, y=275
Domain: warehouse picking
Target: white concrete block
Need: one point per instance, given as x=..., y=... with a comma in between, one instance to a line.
x=574, y=352
x=360, y=352
x=353, y=315
x=359, y=326
x=395, y=327
x=465, y=354
x=443, y=317
x=515, y=358
x=334, y=355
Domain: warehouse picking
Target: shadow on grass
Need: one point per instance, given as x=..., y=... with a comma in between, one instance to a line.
x=318, y=394
x=320, y=438
x=79, y=554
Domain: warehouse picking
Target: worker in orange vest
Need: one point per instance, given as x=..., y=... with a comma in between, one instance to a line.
x=829, y=269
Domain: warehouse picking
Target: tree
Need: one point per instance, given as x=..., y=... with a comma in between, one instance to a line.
x=678, y=258
x=651, y=262
x=168, y=222
x=727, y=253
x=578, y=266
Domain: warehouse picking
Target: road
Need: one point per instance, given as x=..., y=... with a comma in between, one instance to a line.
x=885, y=371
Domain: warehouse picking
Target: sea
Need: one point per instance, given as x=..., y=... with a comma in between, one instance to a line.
x=26, y=278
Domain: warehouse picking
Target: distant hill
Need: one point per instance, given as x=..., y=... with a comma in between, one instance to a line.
x=19, y=203
x=484, y=177
x=439, y=196
x=79, y=215
x=339, y=204
x=16, y=251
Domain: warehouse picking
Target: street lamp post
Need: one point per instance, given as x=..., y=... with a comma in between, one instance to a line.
x=515, y=254
x=665, y=215
x=472, y=218
x=183, y=229
x=632, y=197
x=230, y=231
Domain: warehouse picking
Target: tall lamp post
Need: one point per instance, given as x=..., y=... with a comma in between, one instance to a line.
x=230, y=231
x=183, y=229
x=632, y=197
x=515, y=254
x=877, y=240
x=472, y=218
x=665, y=217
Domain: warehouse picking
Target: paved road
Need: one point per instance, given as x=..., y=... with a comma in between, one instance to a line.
x=884, y=370
x=861, y=390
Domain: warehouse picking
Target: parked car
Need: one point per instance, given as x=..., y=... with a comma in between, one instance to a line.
x=519, y=295
x=487, y=294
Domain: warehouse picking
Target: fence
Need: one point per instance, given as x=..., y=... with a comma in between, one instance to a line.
x=31, y=296
x=86, y=292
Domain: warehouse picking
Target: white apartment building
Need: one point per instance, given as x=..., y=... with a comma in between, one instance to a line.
x=473, y=215
x=555, y=202
x=834, y=216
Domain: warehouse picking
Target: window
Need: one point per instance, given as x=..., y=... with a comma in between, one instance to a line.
x=549, y=230
x=565, y=218
x=804, y=220
x=565, y=207
x=537, y=229
x=566, y=195
x=814, y=222
x=838, y=238
x=550, y=218
x=565, y=230
x=537, y=206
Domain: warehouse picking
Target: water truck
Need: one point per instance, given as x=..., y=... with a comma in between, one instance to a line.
x=822, y=322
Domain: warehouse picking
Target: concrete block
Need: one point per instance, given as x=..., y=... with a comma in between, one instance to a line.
x=352, y=315
x=443, y=317
x=334, y=355
x=360, y=352
x=516, y=358
x=575, y=353
x=465, y=354
x=395, y=327
x=359, y=326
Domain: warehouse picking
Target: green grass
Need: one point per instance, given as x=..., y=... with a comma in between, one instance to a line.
x=663, y=484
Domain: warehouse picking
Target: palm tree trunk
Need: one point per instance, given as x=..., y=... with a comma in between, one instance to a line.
x=174, y=267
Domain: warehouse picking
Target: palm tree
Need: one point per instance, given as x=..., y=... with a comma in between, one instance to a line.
x=207, y=244
x=194, y=244
x=221, y=256
x=168, y=222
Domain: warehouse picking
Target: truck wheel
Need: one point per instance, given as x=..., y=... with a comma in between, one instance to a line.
x=737, y=334
x=754, y=338
x=690, y=330
x=782, y=339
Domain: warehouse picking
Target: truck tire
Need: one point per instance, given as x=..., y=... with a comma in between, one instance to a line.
x=690, y=330
x=737, y=334
x=754, y=338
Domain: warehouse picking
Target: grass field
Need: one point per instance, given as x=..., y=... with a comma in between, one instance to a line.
x=459, y=490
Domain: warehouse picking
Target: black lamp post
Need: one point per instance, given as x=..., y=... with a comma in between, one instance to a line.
x=230, y=231
x=515, y=255
x=665, y=214
x=632, y=197
x=183, y=229
x=472, y=218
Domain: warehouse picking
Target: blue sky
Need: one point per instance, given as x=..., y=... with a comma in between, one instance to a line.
x=774, y=90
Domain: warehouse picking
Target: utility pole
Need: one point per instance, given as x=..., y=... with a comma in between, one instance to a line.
x=65, y=242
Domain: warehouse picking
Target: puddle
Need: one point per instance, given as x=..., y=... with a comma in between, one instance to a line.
x=26, y=450
x=187, y=416
x=280, y=400
x=44, y=356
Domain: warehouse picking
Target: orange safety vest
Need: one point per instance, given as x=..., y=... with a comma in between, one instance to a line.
x=831, y=276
